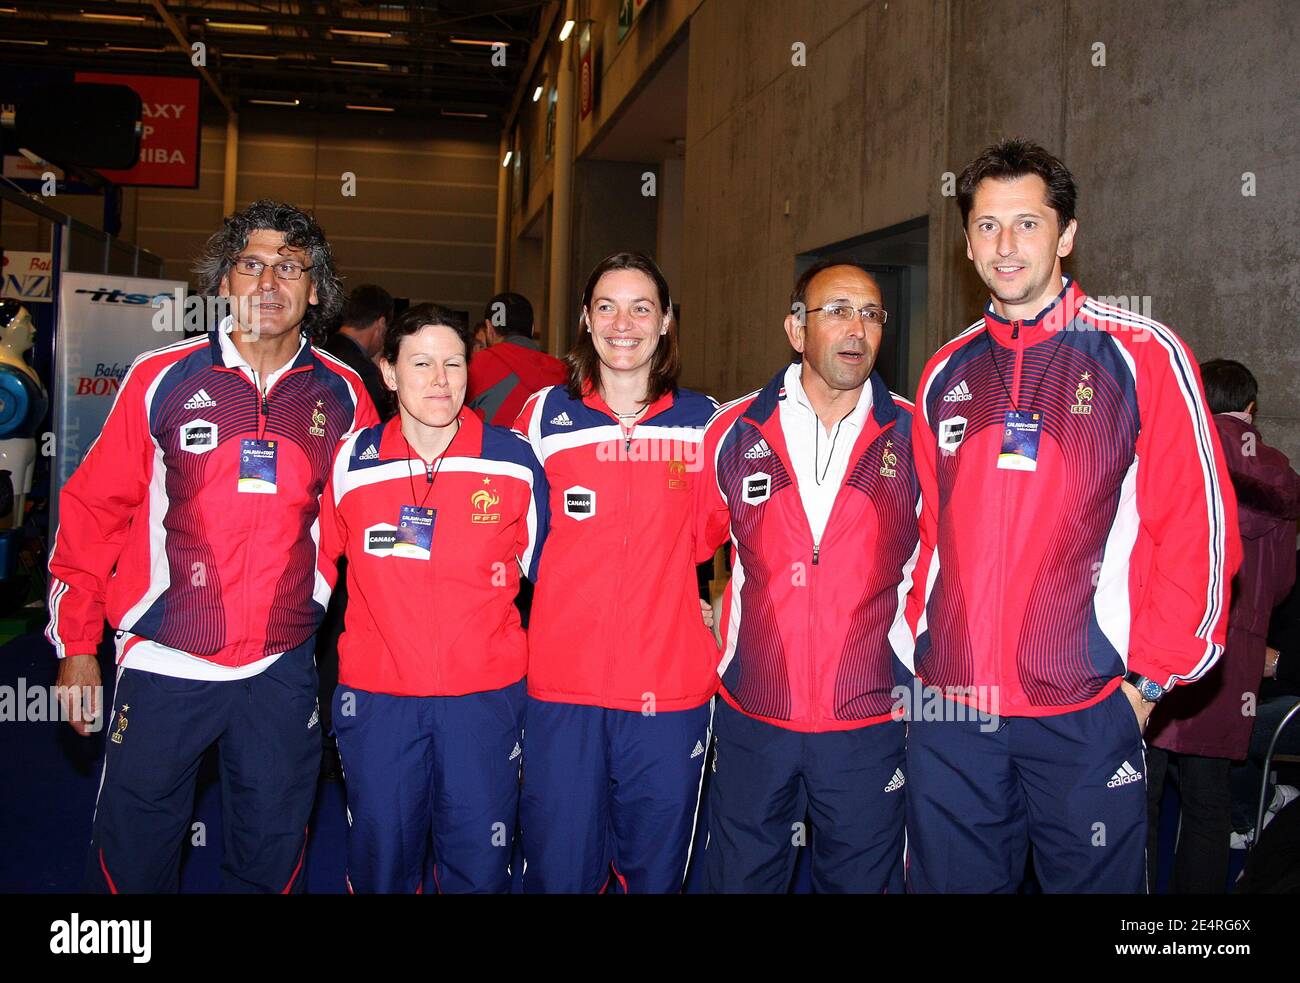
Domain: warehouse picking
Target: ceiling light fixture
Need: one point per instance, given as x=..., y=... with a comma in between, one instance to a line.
x=273, y=102
x=360, y=34
x=360, y=64
x=566, y=30
x=371, y=109
x=120, y=18
x=225, y=25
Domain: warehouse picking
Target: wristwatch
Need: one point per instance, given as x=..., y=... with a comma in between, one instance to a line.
x=1147, y=688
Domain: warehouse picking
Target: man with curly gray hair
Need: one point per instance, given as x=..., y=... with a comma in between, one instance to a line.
x=191, y=528
x=290, y=237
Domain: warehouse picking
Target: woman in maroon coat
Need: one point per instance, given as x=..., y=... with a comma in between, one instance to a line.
x=1208, y=725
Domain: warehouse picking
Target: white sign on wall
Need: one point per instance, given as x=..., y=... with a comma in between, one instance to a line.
x=104, y=323
x=26, y=277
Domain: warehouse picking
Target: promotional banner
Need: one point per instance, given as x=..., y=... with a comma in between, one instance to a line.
x=628, y=12
x=26, y=277
x=104, y=323
x=586, y=78
x=169, y=145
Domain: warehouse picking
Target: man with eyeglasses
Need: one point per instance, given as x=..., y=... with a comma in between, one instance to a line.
x=191, y=527
x=811, y=479
x=1078, y=537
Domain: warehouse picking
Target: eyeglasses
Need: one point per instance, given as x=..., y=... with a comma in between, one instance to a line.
x=282, y=271
x=845, y=312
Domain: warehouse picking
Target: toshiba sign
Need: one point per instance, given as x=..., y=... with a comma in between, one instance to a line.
x=169, y=143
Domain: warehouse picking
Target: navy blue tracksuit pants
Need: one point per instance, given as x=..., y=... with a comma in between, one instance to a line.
x=610, y=789
x=422, y=767
x=266, y=728
x=1071, y=786
x=770, y=784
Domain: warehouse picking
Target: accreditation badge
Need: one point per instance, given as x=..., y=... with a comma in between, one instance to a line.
x=414, y=538
x=257, y=465
x=1021, y=430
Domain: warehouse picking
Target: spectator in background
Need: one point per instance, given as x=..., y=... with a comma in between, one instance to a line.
x=366, y=315
x=1209, y=725
x=1278, y=694
x=512, y=365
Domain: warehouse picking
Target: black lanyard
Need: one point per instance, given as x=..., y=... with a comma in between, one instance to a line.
x=817, y=432
x=430, y=472
x=998, y=369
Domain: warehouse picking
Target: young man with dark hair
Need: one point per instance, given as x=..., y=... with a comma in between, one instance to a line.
x=511, y=366
x=1207, y=726
x=1078, y=535
x=1230, y=388
x=366, y=315
x=192, y=528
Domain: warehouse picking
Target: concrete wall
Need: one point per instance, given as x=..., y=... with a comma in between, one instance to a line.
x=422, y=222
x=603, y=220
x=893, y=94
x=609, y=215
x=623, y=68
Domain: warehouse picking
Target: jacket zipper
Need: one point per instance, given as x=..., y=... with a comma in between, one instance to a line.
x=1002, y=518
x=627, y=521
x=809, y=646
x=815, y=709
x=263, y=415
x=433, y=584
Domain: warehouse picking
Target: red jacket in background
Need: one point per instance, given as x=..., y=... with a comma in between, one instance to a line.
x=502, y=377
x=1208, y=719
x=1115, y=554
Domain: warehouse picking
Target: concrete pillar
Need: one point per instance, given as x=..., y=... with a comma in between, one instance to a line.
x=561, y=305
x=500, y=274
x=232, y=164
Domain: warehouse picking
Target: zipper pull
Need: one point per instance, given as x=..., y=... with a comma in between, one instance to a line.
x=266, y=407
x=428, y=473
x=817, y=551
x=1015, y=330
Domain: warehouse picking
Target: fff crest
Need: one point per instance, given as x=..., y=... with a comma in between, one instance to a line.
x=483, y=501
x=1082, y=397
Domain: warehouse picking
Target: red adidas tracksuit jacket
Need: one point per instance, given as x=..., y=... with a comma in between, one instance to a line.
x=155, y=534
x=616, y=617
x=1117, y=551
x=504, y=375
x=441, y=621
x=814, y=637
